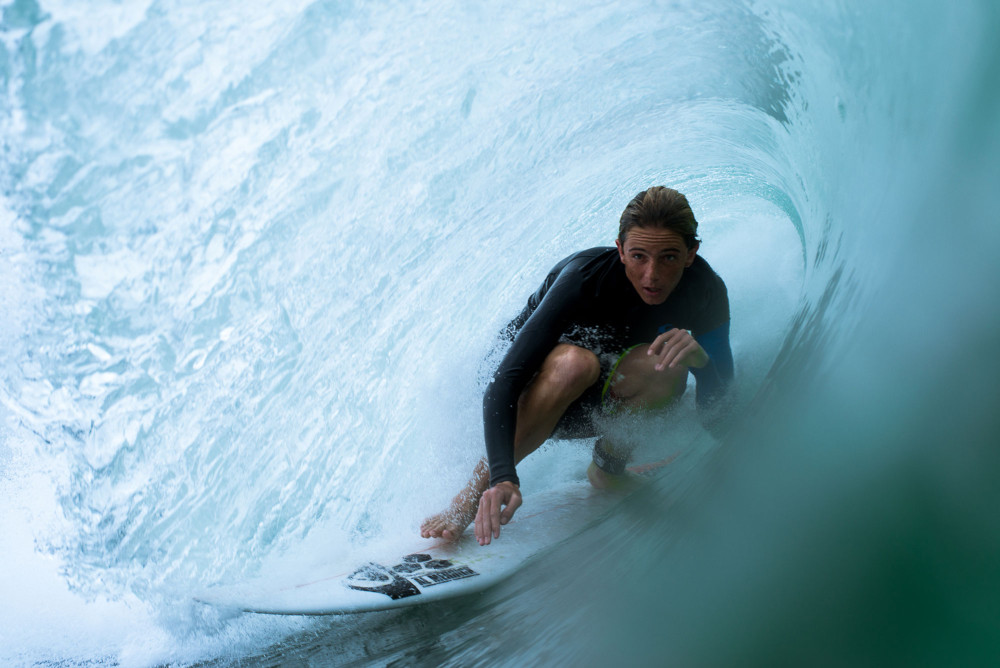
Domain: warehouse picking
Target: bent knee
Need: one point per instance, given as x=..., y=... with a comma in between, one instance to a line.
x=637, y=377
x=639, y=363
x=573, y=366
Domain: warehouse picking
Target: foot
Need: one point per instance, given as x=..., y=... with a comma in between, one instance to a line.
x=617, y=483
x=452, y=522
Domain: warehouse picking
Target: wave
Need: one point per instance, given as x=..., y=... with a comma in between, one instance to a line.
x=252, y=261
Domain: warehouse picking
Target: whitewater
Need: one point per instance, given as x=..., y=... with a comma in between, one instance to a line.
x=254, y=258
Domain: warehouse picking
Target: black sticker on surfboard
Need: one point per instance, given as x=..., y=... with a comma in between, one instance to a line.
x=399, y=581
x=379, y=579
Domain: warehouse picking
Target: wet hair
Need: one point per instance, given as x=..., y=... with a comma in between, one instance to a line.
x=662, y=208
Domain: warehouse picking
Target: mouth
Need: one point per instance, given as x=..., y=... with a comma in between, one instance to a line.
x=652, y=293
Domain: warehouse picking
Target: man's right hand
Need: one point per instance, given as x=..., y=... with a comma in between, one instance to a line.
x=489, y=518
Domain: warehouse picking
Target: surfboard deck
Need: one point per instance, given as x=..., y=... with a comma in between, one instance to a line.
x=427, y=569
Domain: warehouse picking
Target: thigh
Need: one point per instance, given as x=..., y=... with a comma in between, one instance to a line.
x=634, y=381
x=579, y=420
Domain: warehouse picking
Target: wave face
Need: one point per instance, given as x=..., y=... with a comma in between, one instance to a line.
x=252, y=260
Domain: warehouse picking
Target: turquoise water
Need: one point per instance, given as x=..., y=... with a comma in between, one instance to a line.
x=251, y=261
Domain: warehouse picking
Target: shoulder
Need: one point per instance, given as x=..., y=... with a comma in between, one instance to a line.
x=707, y=294
x=701, y=274
x=579, y=276
x=596, y=270
x=590, y=257
x=585, y=266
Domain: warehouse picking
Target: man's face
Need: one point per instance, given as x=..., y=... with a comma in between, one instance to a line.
x=654, y=260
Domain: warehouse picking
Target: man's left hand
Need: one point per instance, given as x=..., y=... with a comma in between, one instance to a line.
x=677, y=347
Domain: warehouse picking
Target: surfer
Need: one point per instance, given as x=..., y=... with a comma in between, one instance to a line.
x=609, y=330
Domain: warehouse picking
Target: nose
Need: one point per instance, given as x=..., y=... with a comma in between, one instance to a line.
x=652, y=273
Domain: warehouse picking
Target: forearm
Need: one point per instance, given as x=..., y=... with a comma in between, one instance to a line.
x=499, y=420
x=714, y=378
x=538, y=329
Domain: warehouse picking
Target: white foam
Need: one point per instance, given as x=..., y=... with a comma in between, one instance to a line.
x=42, y=619
x=93, y=25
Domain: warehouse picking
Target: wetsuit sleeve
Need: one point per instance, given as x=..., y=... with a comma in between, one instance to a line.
x=538, y=335
x=713, y=378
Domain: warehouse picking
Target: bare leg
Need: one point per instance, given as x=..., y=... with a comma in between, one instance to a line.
x=566, y=373
x=638, y=386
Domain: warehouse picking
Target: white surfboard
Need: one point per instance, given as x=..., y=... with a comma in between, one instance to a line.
x=429, y=570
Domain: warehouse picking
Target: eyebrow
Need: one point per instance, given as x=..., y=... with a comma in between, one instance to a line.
x=675, y=249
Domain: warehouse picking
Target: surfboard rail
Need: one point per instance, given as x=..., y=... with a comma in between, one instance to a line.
x=431, y=569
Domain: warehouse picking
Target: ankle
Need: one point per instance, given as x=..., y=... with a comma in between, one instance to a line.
x=598, y=478
x=609, y=458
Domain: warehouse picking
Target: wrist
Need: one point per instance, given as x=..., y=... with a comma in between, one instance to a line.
x=701, y=360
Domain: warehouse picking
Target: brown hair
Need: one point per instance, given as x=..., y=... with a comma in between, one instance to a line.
x=663, y=208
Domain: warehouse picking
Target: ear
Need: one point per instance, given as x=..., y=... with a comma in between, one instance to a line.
x=691, y=255
x=621, y=250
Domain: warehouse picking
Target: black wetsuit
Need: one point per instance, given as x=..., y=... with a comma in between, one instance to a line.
x=588, y=300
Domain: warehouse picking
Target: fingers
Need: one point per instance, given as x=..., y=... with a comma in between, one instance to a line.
x=679, y=354
x=489, y=517
x=673, y=348
x=482, y=531
x=494, y=519
x=512, y=505
x=484, y=517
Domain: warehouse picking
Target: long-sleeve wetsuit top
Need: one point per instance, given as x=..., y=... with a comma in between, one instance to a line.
x=587, y=296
